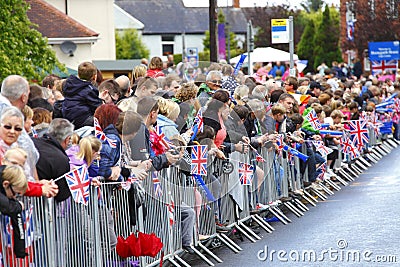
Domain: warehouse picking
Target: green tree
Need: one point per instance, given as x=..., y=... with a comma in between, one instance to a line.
x=129, y=45
x=326, y=40
x=305, y=48
x=23, y=50
x=312, y=5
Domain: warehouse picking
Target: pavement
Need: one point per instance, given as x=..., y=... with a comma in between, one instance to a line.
x=357, y=226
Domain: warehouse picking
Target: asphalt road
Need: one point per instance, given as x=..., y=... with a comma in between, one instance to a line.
x=357, y=226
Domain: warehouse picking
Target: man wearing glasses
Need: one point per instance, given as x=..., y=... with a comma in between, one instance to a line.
x=291, y=85
x=212, y=84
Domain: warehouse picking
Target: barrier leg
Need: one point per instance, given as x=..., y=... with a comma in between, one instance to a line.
x=376, y=155
x=381, y=150
x=371, y=157
x=319, y=194
x=249, y=230
x=393, y=143
x=364, y=162
x=293, y=209
x=228, y=242
x=238, y=227
x=332, y=184
x=300, y=205
x=263, y=224
x=326, y=189
x=206, y=250
x=356, y=169
x=181, y=261
x=340, y=179
x=385, y=147
x=202, y=256
x=276, y=214
x=353, y=173
x=310, y=197
x=172, y=260
x=361, y=164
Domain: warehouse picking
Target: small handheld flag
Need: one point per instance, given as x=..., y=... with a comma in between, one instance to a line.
x=79, y=183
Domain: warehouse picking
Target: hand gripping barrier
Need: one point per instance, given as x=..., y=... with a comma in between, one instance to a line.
x=70, y=234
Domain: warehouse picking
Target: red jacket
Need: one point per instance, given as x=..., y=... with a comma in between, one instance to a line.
x=34, y=189
x=155, y=73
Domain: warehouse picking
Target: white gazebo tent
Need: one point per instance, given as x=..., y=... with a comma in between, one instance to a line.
x=266, y=54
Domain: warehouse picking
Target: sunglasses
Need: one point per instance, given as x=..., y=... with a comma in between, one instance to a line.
x=13, y=192
x=218, y=82
x=9, y=127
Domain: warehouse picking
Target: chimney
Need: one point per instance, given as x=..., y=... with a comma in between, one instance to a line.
x=236, y=3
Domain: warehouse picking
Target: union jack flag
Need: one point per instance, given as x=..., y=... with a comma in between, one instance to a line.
x=348, y=147
x=199, y=120
x=98, y=132
x=8, y=230
x=156, y=184
x=246, y=172
x=322, y=168
x=290, y=158
x=127, y=184
x=259, y=158
x=359, y=133
x=378, y=66
x=323, y=150
x=171, y=210
x=163, y=140
x=29, y=226
x=34, y=133
x=313, y=120
x=279, y=142
x=79, y=183
x=199, y=160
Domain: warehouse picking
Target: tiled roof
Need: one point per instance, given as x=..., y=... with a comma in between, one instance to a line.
x=172, y=17
x=53, y=23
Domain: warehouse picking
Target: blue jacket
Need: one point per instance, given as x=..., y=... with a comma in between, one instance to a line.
x=110, y=157
x=81, y=101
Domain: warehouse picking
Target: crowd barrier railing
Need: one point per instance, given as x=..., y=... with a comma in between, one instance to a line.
x=70, y=234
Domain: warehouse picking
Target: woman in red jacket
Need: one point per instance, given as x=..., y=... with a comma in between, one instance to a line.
x=155, y=68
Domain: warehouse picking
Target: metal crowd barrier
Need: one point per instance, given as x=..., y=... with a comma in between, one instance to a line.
x=70, y=234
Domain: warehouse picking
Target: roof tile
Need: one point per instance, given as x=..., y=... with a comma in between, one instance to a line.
x=53, y=23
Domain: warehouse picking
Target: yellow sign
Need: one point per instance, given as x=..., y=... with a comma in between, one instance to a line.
x=278, y=22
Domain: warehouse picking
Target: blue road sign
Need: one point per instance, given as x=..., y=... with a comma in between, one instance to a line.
x=384, y=50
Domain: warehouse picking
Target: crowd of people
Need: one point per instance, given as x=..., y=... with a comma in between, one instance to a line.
x=48, y=129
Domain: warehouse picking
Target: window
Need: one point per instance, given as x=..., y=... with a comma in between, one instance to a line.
x=371, y=5
x=167, y=38
x=167, y=49
x=167, y=42
x=392, y=9
x=350, y=11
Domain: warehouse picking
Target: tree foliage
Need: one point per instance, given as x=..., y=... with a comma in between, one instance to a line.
x=326, y=40
x=129, y=45
x=23, y=50
x=305, y=48
x=376, y=23
x=312, y=5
